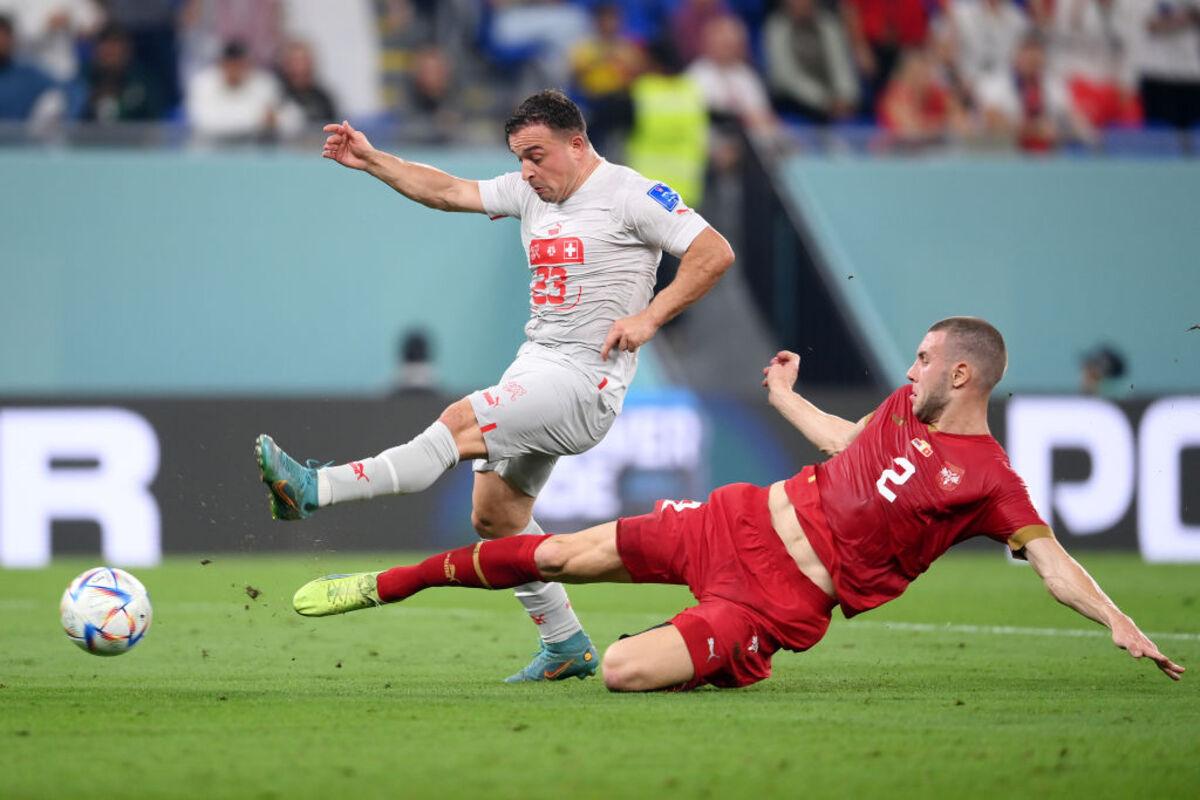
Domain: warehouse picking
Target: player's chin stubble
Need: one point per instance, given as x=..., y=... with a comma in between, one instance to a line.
x=932, y=403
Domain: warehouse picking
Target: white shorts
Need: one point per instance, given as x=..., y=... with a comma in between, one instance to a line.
x=540, y=409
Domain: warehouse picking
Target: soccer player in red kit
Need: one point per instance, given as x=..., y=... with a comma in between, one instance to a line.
x=768, y=564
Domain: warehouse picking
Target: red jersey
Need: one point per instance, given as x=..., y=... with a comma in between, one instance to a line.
x=880, y=512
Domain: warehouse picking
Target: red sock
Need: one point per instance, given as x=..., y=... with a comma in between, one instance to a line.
x=492, y=564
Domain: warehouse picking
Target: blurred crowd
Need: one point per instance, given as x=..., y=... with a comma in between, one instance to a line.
x=652, y=75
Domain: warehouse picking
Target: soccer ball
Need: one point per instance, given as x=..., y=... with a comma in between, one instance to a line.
x=106, y=611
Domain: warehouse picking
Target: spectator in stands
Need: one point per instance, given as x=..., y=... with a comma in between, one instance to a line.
x=1029, y=107
x=809, y=65
x=670, y=136
x=604, y=66
x=688, y=23
x=402, y=32
x=118, y=90
x=233, y=100
x=151, y=27
x=917, y=109
x=26, y=92
x=733, y=91
x=307, y=101
x=1167, y=61
x=433, y=97
x=344, y=38
x=982, y=36
x=206, y=25
x=1090, y=43
x=47, y=32
x=880, y=30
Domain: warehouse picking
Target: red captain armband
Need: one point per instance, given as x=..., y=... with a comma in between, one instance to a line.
x=1025, y=535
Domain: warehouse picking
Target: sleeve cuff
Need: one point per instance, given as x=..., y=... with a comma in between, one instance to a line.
x=1023, y=536
x=487, y=198
x=683, y=239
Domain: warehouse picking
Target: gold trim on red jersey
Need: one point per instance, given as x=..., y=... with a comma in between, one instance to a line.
x=1025, y=535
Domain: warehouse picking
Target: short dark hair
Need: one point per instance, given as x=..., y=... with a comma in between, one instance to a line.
x=979, y=343
x=549, y=107
x=234, y=50
x=112, y=32
x=6, y=23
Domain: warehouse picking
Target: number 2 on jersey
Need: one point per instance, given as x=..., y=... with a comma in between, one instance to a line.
x=898, y=478
x=550, y=286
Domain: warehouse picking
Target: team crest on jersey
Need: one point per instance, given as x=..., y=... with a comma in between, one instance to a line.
x=923, y=447
x=665, y=196
x=950, y=477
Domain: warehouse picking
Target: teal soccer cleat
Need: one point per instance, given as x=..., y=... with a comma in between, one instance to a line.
x=572, y=658
x=293, y=487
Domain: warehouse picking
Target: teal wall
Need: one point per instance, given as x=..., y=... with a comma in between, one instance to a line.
x=263, y=272
x=1060, y=255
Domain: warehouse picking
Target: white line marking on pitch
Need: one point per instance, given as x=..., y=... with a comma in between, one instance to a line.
x=1008, y=630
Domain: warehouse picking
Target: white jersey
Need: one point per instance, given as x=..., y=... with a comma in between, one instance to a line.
x=593, y=258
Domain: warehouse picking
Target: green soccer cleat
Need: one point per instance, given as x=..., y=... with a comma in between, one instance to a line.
x=293, y=487
x=572, y=658
x=337, y=594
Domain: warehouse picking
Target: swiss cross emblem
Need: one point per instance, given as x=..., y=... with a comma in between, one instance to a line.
x=555, y=252
x=950, y=477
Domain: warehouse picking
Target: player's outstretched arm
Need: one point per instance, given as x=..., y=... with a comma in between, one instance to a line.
x=829, y=433
x=702, y=265
x=1071, y=585
x=426, y=185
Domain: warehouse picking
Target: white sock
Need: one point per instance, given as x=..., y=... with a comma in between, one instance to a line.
x=409, y=468
x=547, y=603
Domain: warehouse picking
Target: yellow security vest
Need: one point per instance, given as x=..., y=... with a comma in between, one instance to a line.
x=669, y=142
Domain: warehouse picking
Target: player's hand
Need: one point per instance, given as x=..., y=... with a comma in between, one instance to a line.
x=781, y=374
x=1126, y=636
x=347, y=146
x=629, y=334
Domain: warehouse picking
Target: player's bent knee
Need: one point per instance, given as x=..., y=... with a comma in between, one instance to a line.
x=618, y=671
x=485, y=526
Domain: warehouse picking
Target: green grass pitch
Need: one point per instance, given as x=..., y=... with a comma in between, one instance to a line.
x=235, y=697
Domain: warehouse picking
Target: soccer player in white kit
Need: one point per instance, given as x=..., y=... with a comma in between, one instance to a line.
x=594, y=233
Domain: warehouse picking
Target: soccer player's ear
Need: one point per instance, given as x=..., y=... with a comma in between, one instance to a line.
x=960, y=375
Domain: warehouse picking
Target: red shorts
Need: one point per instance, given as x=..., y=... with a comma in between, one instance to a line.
x=753, y=598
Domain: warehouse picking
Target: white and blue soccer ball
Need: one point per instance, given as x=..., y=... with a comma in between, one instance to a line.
x=106, y=611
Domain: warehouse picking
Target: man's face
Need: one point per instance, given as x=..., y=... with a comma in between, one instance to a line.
x=550, y=160
x=6, y=44
x=930, y=375
x=1030, y=61
x=236, y=70
x=112, y=53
